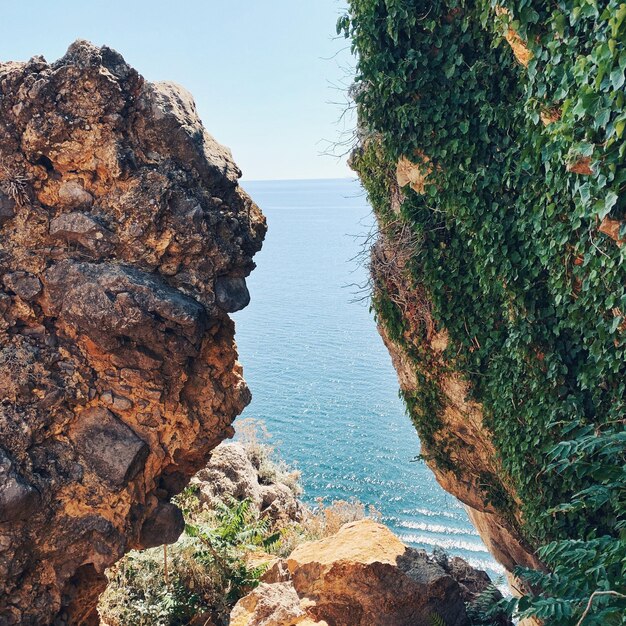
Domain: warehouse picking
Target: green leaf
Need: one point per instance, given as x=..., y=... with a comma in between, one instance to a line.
x=615, y=323
x=618, y=76
x=609, y=202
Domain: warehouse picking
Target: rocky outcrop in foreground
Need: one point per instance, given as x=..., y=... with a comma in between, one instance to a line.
x=361, y=576
x=124, y=242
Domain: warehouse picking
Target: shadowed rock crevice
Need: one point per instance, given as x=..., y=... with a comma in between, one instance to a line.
x=125, y=240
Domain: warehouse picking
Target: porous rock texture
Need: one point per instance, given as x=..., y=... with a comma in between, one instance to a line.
x=233, y=471
x=362, y=576
x=124, y=242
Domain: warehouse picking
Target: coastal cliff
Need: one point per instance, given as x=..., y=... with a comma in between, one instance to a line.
x=491, y=146
x=456, y=444
x=125, y=242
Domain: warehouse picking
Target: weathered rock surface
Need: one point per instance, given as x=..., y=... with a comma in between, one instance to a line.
x=231, y=472
x=124, y=241
x=277, y=604
x=363, y=576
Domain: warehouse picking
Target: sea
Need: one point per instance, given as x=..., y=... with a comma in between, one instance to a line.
x=322, y=380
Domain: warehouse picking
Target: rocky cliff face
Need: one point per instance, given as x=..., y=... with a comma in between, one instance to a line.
x=455, y=442
x=124, y=242
x=233, y=473
x=460, y=452
x=499, y=279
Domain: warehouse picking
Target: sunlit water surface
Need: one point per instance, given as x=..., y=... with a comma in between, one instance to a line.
x=321, y=378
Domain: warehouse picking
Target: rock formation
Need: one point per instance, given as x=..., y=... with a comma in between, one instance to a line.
x=231, y=473
x=124, y=242
x=498, y=279
x=362, y=576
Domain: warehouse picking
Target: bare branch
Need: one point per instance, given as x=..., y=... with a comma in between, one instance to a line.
x=594, y=595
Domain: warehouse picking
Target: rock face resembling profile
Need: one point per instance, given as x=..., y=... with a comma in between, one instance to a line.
x=362, y=576
x=124, y=242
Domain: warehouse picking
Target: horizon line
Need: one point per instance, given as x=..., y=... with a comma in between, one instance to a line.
x=278, y=180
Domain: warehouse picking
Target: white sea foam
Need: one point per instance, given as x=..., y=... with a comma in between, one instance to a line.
x=486, y=564
x=436, y=528
x=430, y=513
x=448, y=544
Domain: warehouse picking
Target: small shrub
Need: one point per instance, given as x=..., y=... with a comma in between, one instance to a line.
x=322, y=521
x=271, y=468
x=436, y=620
x=14, y=183
x=206, y=569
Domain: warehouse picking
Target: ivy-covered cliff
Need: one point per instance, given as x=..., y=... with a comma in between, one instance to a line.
x=491, y=144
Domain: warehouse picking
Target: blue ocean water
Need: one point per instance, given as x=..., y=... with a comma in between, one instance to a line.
x=321, y=378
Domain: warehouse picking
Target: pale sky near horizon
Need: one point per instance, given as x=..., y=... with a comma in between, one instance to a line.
x=263, y=72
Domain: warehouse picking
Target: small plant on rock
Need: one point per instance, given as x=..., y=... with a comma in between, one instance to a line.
x=207, y=570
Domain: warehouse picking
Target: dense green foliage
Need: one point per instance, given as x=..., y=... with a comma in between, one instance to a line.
x=201, y=576
x=224, y=545
x=532, y=294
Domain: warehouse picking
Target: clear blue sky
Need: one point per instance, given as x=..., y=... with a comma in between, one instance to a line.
x=260, y=70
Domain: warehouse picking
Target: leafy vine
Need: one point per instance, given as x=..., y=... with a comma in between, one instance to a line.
x=521, y=221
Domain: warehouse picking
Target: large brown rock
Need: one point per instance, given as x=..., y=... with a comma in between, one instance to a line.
x=277, y=604
x=363, y=576
x=124, y=241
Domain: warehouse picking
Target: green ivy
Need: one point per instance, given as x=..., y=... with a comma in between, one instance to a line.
x=532, y=294
x=389, y=315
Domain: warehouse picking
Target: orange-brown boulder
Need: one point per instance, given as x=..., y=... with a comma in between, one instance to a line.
x=363, y=576
x=125, y=241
